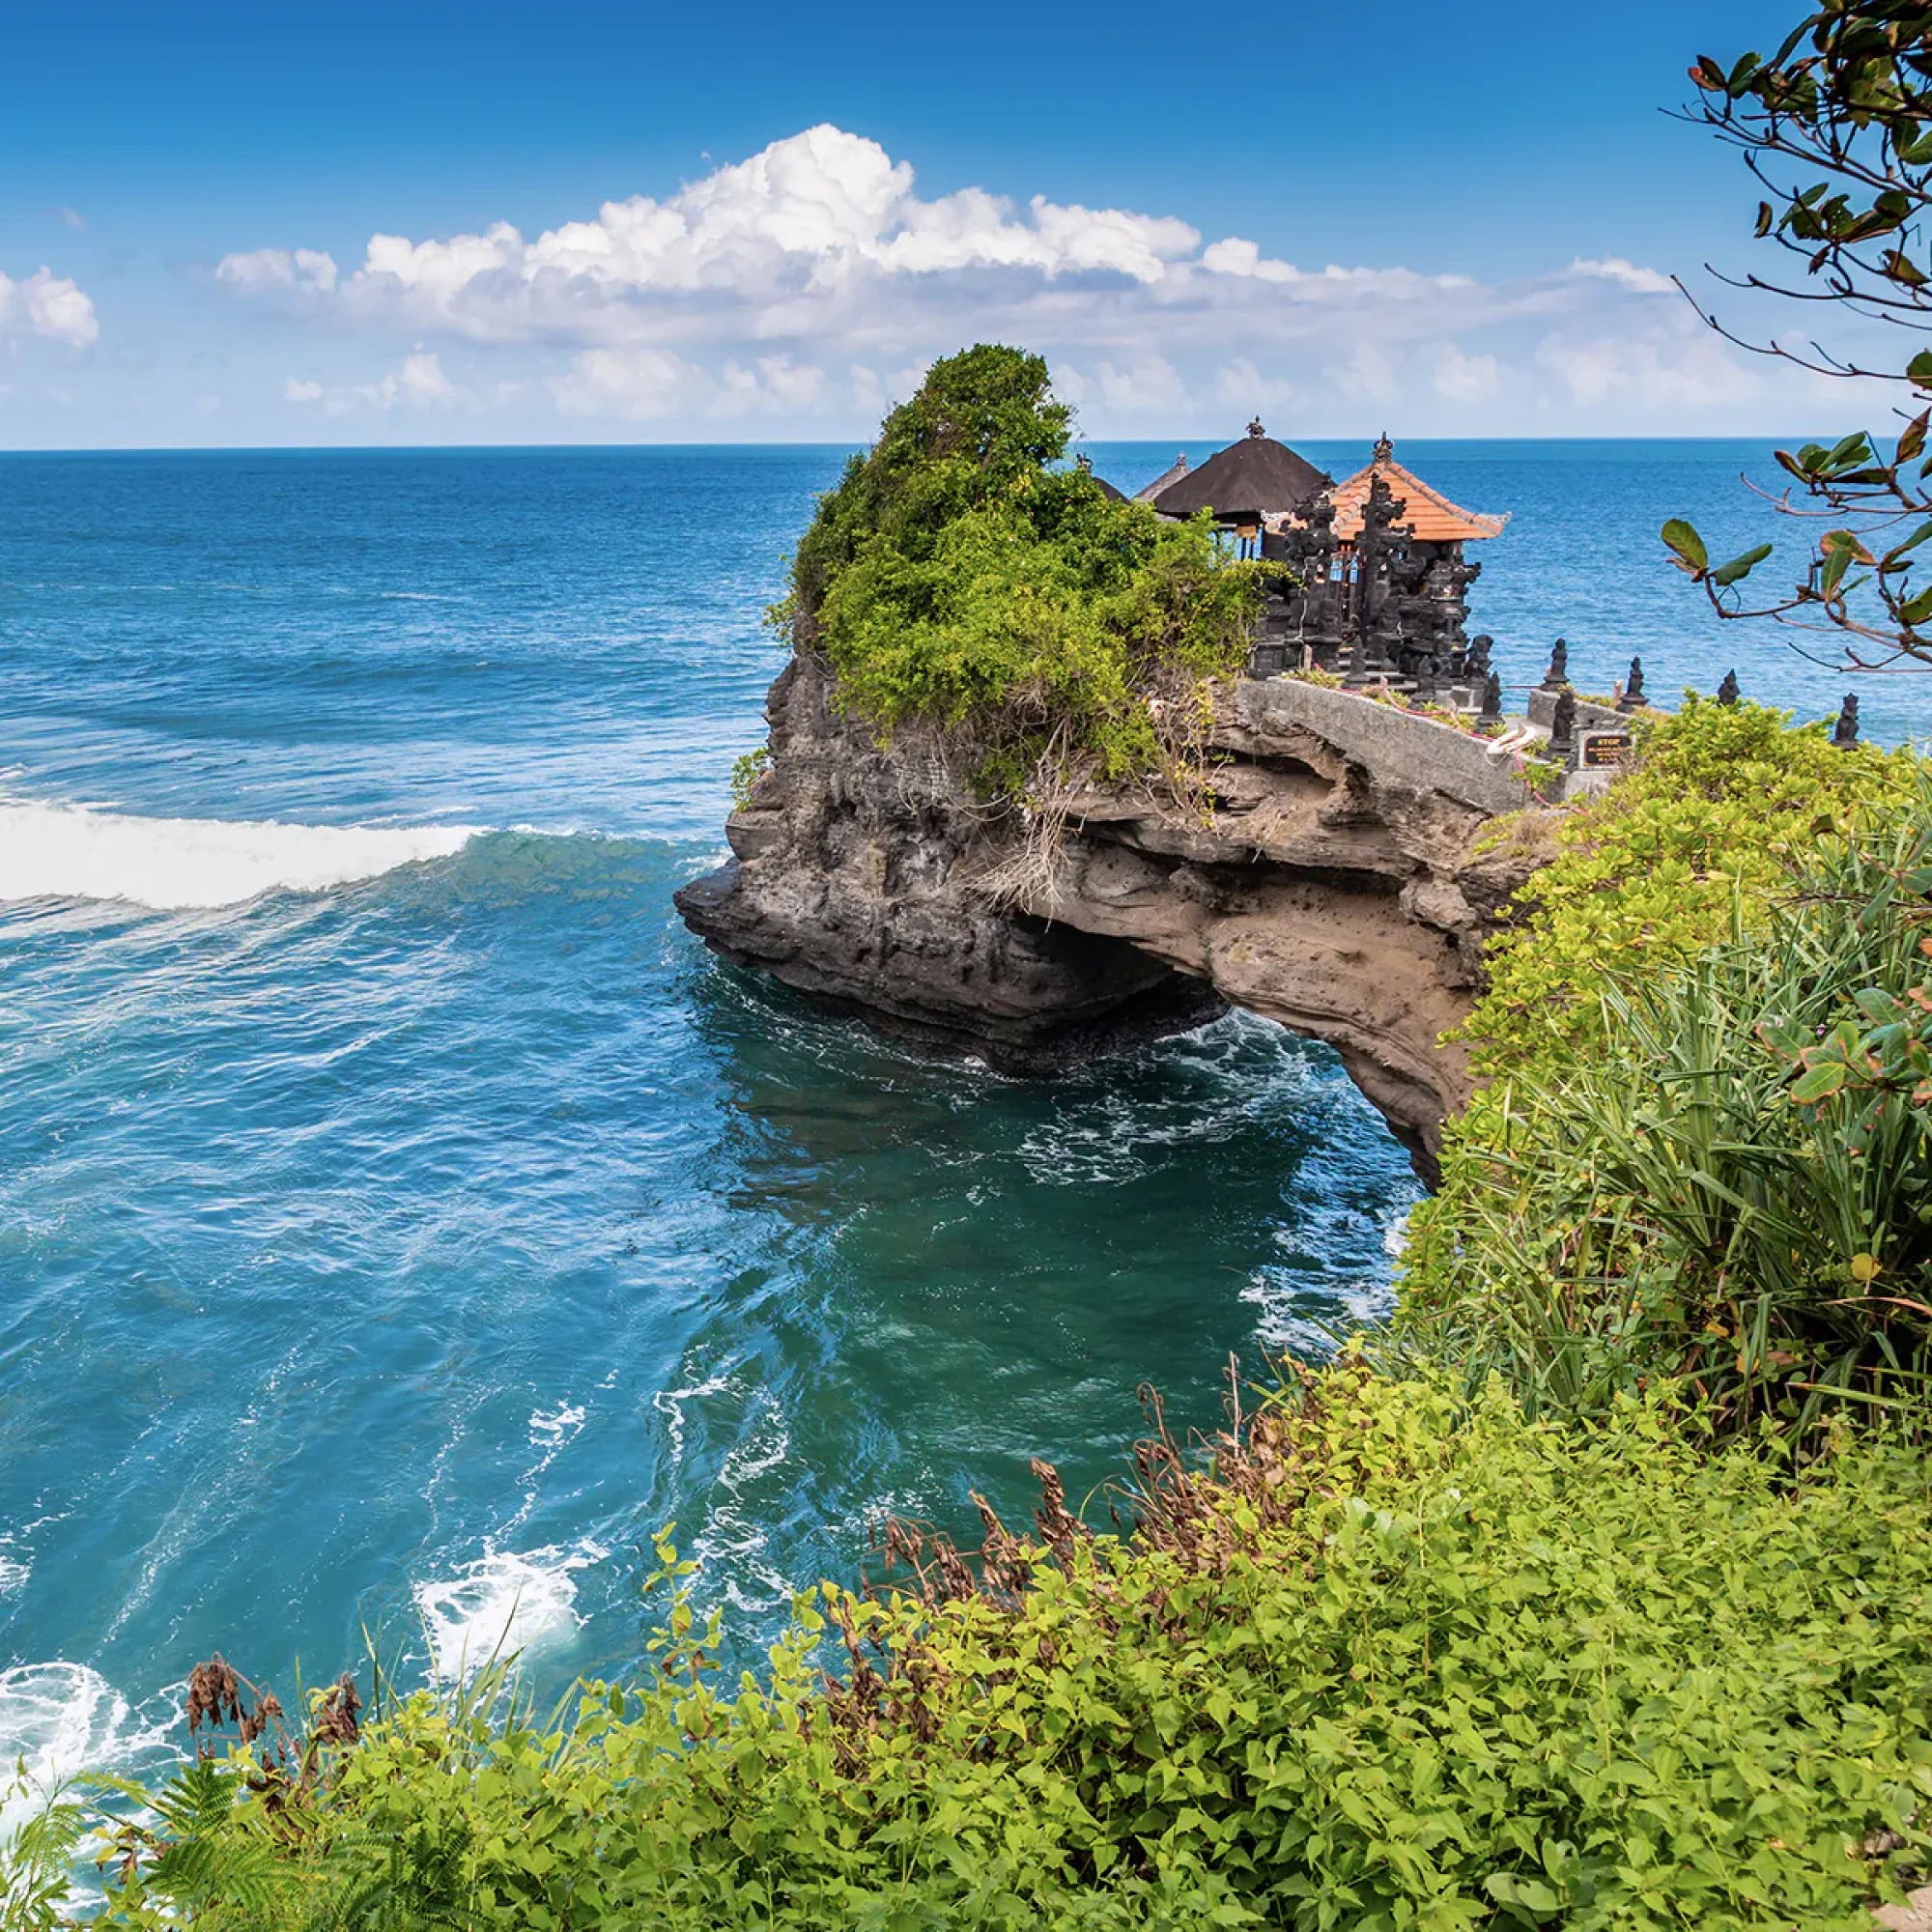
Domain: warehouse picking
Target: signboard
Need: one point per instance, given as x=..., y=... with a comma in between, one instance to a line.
x=1604, y=748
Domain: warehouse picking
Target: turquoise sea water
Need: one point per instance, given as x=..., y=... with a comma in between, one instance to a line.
x=401, y=1217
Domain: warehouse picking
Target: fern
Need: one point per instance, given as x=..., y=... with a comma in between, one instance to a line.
x=37, y=1861
x=420, y=1885
x=208, y=1857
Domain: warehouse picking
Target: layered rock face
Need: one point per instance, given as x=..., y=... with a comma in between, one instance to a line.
x=1332, y=888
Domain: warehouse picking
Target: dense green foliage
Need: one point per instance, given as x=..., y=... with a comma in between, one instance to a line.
x=956, y=579
x=1402, y=1662
x=1706, y=1154
x=1724, y=805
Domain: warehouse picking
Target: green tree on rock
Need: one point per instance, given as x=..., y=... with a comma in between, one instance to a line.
x=957, y=579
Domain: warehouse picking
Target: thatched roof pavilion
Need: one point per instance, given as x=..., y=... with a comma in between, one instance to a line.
x=1245, y=483
x=1085, y=465
x=1167, y=476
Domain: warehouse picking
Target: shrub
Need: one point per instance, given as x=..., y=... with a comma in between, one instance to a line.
x=954, y=578
x=1396, y=1659
x=747, y=769
x=1724, y=805
x=1716, y=1170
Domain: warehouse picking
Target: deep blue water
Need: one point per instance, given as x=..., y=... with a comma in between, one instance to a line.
x=401, y=1217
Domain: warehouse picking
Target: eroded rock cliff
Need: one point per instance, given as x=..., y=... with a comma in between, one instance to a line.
x=1333, y=887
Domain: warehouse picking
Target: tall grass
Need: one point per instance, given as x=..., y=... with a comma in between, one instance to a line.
x=1735, y=1190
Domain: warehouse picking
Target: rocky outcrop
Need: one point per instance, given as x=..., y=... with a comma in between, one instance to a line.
x=1332, y=887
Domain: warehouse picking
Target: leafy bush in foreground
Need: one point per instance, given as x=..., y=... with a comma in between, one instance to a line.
x=1395, y=1660
x=1710, y=1157
x=1734, y=1188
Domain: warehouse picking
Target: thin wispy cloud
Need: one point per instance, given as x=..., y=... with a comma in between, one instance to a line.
x=418, y=383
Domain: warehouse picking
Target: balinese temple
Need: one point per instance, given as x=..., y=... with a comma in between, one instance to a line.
x=1429, y=515
x=1381, y=587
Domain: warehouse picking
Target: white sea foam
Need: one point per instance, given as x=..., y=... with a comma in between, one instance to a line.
x=669, y=1403
x=14, y=1575
x=1284, y=1325
x=1395, y=1237
x=505, y=1601
x=735, y=1540
x=75, y=852
x=62, y=1718
x=552, y=1429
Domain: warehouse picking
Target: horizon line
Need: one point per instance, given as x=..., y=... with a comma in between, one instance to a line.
x=1767, y=437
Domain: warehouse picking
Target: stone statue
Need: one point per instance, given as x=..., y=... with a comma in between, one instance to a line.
x=1492, y=713
x=1310, y=610
x=1727, y=692
x=1563, y=726
x=1845, y=732
x=1633, y=699
x=1384, y=553
x=1558, y=673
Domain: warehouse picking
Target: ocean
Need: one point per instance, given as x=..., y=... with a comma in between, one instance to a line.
x=402, y=1217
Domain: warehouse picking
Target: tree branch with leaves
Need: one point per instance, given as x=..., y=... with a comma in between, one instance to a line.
x=1836, y=128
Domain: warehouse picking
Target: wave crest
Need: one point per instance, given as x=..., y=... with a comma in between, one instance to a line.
x=72, y=852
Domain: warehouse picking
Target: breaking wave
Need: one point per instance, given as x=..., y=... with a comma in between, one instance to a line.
x=59, y=1720
x=73, y=852
x=502, y=1605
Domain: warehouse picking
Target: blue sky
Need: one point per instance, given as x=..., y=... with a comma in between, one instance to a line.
x=757, y=222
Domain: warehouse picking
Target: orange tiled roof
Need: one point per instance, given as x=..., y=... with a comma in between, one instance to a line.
x=1433, y=517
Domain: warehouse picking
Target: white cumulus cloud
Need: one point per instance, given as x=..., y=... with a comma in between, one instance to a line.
x=647, y=384
x=420, y=379
x=51, y=306
x=733, y=297
x=1368, y=376
x=643, y=384
x=1465, y=378
x=1147, y=386
x=1670, y=370
x=1243, y=387
x=776, y=247
x=1627, y=274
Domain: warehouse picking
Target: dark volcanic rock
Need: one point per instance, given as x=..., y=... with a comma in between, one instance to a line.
x=849, y=884
x=1333, y=887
